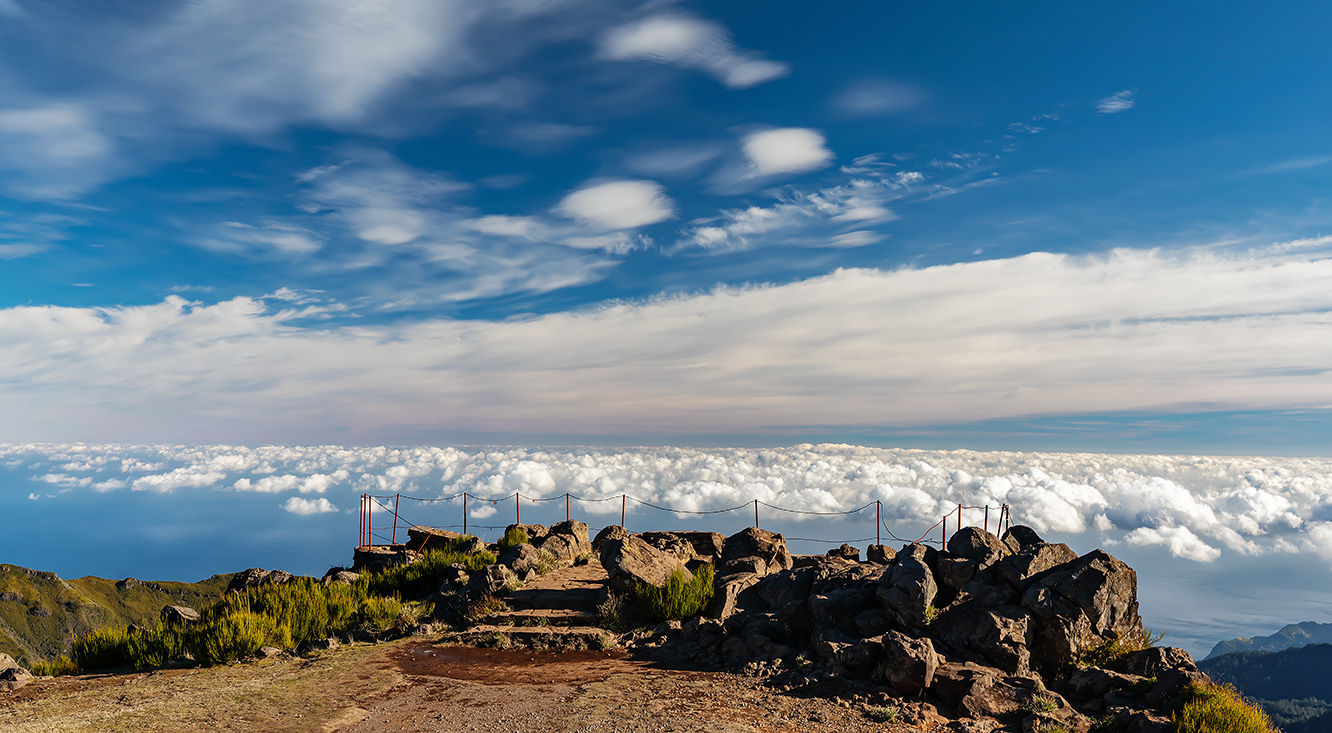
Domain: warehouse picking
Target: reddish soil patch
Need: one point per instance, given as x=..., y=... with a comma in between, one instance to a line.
x=509, y=667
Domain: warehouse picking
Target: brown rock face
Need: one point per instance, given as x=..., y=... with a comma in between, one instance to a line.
x=521, y=558
x=609, y=532
x=768, y=547
x=909, y=663
x=1020, y=568
x=976, y=544
x=492, y=581
x=1081, y=605
x=906, y=590
x=880, y=554
x=567, y=541
x=179, y=614
x=631, y=561
x=255, y=577
x=419, y=538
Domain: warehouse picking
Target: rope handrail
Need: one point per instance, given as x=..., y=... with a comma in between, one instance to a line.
x=371, y=501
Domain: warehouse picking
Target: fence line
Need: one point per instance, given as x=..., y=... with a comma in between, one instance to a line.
x=368, y=532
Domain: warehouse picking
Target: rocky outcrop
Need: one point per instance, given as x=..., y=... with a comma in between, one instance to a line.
x=12, y=676
x=567, y=541
x=491, y=581
x=255, y=577
x=423, y=539
x=173, y=615
x=982, y=630
x=631, y=561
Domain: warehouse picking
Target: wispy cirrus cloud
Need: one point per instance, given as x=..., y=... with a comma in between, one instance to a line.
x=691, y=43
x=1116, y=103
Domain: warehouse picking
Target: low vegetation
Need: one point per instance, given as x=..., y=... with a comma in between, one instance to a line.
x=680, y=598
x=286, y=616
x=1111, y=650
x=882, y=713
x=1209, y=708
x=513, y=536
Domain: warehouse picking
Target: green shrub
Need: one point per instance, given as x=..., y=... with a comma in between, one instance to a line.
x=680, y=598
x=882, y=714
x=513, y=536
x=1041, y=703
x=101, y=649
x=301, y=606
x=234, y=636
x=610, y=613
x=155, y=646
x=1209, y=708
x=378, y=613
x=57, y=667
x=423, y=576
x=342, y=602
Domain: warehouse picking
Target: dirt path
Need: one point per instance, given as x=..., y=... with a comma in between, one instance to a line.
x=414, y=685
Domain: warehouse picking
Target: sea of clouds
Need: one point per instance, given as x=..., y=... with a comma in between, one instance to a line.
x=1193, y=507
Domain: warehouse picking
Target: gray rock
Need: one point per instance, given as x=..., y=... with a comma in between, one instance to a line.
x=909, y=663
x=705, y=544
x=782, y=589
x=670, y=543
x=906, y=590
x=341, y=577
x=423, y=539
x=179, y=615
x=270, y=651
x=609, y=532
x=955, y=572
x=976, y=544
x=491, y=581
x=1152, y=662
x=1020, y=536
x=8, y=662
x=1170, y=685
x=631, y=561
x=880, y=554
x=255, y=577
x=768, y=547
x=521, y=558
x=845, y=552
x=13, y=678
x=1082, y=605
x=1093, y=682
x=1023, y=567
x=535, y=532
x=728, y=593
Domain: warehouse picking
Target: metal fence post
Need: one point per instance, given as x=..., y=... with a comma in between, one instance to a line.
x=464, y=512
x=396, y=498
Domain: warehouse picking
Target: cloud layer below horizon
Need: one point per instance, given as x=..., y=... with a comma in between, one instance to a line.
x=1191, y=507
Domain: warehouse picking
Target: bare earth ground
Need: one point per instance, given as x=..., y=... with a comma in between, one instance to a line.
x=415, y=685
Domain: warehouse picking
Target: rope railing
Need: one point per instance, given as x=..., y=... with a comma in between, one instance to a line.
x=369, y=502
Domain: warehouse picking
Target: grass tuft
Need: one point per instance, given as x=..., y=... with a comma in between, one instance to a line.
x=679, y=598
x=1041, y=703
x=57, y=667
x=882, y=713
x=102, y=649
x=513, y=537
x=1210, y=708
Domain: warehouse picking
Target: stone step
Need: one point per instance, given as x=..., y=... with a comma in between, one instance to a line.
x=535, y=637
x=537, y=617
x=578, y=598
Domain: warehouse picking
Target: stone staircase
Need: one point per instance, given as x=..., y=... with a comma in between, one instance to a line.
x=554, y=611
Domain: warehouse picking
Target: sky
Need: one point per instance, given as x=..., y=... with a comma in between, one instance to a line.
x=1012, y=225
x=257, y=258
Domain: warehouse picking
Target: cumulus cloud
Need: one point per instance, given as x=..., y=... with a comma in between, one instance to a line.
x=1116, y=103
x=691, y=43
x=1194, y=508
x=303, y=507
x=786, y=150
x=619, y=204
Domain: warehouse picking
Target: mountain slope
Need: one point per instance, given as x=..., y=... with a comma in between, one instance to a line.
x=41, y=614
x=1293, y=685
x=1292, y=635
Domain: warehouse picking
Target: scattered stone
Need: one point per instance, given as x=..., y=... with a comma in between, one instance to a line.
x=909, y=664
x=726, y=594
x=845, y=552
x=567, y=541
x=1025, y=566
x=268, y=652
x=13, y=678
x=11, y=596
x=492, y=581
x=39, y=612
x=321, y=645
x=907, y=590
x=522, y=558
x=1093, y=682
x=341, y=577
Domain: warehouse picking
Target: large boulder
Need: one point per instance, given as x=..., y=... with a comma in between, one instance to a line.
x=631, y=561
x=1155, y=661
x=1021, y=536
x=521, y=559
x=14, y=677
x=670, y=543
x=173, y=615
x=976, y=544
x=786, y=588
x=422, y=539
x=909, y=664
x=256, y=577
x=705, y=544
x=491, y=581
x=609, y=532
x=535, y=532
x=338, y=576
x=755, y=550
x=729, y=593
x=880, y=554
x=906, y=591
x=1027, y=564
x=567, y=541
x=1080, y=606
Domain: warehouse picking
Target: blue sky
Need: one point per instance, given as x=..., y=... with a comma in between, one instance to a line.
x=1013, y=225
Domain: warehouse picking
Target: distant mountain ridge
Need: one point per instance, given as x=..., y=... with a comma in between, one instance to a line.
x=1292, y=635
x=41, y=613
x=1294, y=685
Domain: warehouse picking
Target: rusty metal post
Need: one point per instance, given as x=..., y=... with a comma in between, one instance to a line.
x=566, y=506
x=396, y=498
x=360, y=527
x=756, y=514
x=987, y=517
x=464, y=512
x=958, y=528
x=878, y=521
x=945, y=532
x=622, y=511
x=517, y=508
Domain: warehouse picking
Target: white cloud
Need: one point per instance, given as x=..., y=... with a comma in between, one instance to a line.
x=873, y=97
x=1251, y=506
x=526, y=227
x=619, y=204
x=1116, y=103
x=304, y=507
x=1180, y=540
x=1044, y=334
x=786, y=150
x=691, y=43
x=52, y=151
